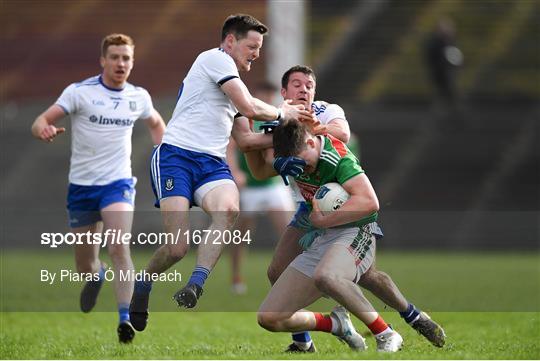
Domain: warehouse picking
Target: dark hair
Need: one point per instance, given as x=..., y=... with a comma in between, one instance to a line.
x=289, y=138
x=296, y=69
x=240, y=24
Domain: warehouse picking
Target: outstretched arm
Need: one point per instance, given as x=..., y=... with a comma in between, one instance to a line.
x=253, y=108
x=246, y=139
x=44, y=127
x=156, y=126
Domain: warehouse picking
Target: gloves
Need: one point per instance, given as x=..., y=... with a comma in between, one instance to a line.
x=268, y=127
x=292, y=166
x=308, y=238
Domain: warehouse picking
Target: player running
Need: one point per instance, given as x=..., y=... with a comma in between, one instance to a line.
x=101, y=195
x=189, y=167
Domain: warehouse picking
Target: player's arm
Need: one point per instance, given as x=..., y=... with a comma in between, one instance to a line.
x=246, y=139
x=254, y=108
x=339, y=128
x=362, y=203
x=258, y=165
x=44, y=127
x=232, y=160
x=156, y=126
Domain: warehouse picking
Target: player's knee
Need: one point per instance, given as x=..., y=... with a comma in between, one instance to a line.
x=226, y=215
x=325, y=281
x=118, y=251
x=270, y=321
x=232, y=212
x=176, y=253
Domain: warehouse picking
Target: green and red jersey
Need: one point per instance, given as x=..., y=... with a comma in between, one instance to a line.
x=336, y=164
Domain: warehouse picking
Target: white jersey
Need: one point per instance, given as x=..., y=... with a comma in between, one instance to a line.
x=102, y=121
x=203, y=116
x=325, y=112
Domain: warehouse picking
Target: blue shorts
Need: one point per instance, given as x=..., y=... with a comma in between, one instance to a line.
x=84, y=203
x=301, y=221
x=176, y=171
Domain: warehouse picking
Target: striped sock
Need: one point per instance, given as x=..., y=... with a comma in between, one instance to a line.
x=123, y=312
x=302, y=340
x=411, y=314
x=199, y=276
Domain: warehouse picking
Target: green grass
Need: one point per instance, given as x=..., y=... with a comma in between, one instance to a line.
x=456, y=288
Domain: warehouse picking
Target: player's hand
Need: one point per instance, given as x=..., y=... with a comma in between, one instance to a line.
x=307, y=239
x=49, y=132
x=317, y=218
x=292, y=166
x=320, y=129
x=295, y=112
x=314, y=124
x=268, y=127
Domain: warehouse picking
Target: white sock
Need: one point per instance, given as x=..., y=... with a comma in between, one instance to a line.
x=303, y=345
x=335, y=326
x=385, y=332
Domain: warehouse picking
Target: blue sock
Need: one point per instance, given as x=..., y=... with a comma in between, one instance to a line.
x=101, y=275
x=123, y=312
x=143, y=287
x=411, y=314
x=199, y=276
x=301, y=337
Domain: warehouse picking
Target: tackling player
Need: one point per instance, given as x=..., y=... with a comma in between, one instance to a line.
x=189, y=167
x=101, y=195
x=298, y=84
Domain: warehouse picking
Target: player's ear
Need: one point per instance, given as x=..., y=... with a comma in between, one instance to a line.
x=310, y=142
x=102, y=61
x=230, y=39
x=283, y=92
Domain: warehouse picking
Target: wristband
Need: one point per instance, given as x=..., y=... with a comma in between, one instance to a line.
x=279, y=114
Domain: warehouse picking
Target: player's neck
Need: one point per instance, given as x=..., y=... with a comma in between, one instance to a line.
x=112, y=84
x=223, y=47
x=318, y=143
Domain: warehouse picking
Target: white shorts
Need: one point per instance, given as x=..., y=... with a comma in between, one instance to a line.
x=266, y=198
x=359, y=241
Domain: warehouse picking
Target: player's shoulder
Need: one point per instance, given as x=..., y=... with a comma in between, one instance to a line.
x=136, y=89
x=321, y=107
x=333, y=144
x=88, y=82
x=214, y=55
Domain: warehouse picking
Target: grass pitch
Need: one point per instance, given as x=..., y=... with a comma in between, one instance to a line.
x=455, y=289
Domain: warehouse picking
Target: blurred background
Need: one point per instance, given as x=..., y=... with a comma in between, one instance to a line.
x=443, y=96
